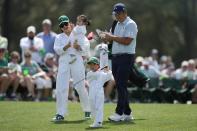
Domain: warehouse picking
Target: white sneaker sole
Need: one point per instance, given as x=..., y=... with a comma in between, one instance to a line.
x=54, y=120
x=114, y=120
x=127, y=119
x=97, y=126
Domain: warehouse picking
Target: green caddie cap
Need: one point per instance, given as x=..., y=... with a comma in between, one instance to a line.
x=93, y=60
x=63, y=19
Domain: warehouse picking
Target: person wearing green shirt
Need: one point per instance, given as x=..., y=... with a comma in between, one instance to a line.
x=4, y=79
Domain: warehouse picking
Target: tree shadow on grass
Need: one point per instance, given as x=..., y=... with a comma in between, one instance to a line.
x=70, y=122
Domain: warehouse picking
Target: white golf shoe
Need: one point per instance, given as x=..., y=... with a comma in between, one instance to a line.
x=115, y=117
x=127, y=117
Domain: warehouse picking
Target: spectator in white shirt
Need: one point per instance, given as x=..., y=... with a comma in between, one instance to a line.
x=150, y=70
x=33, y=44
x=153, y=59
x=180, y=72
x=192, y=71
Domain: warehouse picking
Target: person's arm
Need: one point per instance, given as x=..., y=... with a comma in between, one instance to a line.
x=23, y=44
x=76, y=45
x=106, y=75
x=122, y=40
x=40, y=72
x=130, y=32
x=41, y=44
x=59, y=49
x=88, y=77
x=19, y=70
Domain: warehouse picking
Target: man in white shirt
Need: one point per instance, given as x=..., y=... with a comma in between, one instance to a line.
x=123, y=52
x=33, y=44
x=180, y=72
x=150, y=70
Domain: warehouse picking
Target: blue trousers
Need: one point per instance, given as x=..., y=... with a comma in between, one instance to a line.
x=122, y=65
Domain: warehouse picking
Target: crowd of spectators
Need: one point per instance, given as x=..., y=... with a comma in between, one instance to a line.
x=164, y=69
x=31, y=75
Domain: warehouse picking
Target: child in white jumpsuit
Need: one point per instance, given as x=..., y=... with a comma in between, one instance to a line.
x=96, y=79
x=69, y=67
x=79, y=34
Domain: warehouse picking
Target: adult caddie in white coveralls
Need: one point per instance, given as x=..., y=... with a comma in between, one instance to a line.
x=70, y=65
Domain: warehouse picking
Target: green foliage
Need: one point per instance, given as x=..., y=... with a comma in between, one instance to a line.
x=168, y=25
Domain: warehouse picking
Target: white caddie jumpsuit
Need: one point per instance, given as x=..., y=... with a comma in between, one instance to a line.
x=66, y=69
x=96, y=81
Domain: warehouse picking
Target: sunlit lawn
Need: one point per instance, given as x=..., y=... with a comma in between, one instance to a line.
x=36, y=116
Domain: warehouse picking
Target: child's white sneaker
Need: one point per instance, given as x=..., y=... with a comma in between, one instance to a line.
x=96, y=125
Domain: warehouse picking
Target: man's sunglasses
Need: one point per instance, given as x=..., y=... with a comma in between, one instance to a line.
x=27, y=56
x=63, y=24
x=15, y=57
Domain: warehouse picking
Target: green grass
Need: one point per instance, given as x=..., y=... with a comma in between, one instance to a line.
x=34, y=116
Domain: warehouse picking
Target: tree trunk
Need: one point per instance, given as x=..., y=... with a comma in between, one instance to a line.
x=6, y=18
x=186, y=28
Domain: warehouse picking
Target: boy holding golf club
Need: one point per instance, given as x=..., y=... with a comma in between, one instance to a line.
x=96, y=78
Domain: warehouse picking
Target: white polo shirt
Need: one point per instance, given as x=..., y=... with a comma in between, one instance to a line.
x=127, y=28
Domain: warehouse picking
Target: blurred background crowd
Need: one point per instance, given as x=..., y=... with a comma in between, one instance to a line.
x=165, y=49
x=31, y=74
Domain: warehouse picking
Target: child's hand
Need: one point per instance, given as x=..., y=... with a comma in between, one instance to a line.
x=76, y=45
x=67, y=46
x=106, y=69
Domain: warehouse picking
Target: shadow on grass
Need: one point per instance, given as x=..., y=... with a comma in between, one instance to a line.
x=107, y=123
x=123, y=122
x=70, y=122
x=100, y=128
x=141, y=119
x=119, y=122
